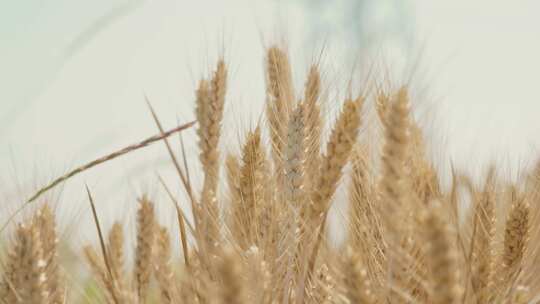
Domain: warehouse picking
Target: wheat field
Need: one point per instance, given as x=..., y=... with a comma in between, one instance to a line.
x=266, y=239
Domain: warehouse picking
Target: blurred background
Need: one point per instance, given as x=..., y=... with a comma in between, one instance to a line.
x=73, y=76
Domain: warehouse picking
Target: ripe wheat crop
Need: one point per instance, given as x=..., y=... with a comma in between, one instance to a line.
x=259, y=222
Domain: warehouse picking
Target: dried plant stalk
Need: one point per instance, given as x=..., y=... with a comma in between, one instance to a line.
x=106, y=158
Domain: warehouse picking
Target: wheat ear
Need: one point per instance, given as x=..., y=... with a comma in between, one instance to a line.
x=45, y=223
x=442, y=259
x=338, y=149
x=482, y=243
x=116, y=254
x=516, y=237
x=323, y=285
x=364, y=232
x=210, y=103
x=362, y=218
x=252, y=183
x=145, y=244
x=357, y=284
x=295, y=190
x=232, y=289
x=313, y=122
x=30, y=280
x=162, y=267
x=99, y=271
x=278, y=105
x=235, y=210
x=392, y=193
x=391, y=186
x=9, y=267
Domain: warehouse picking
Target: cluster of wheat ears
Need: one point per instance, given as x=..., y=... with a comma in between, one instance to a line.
x=265, y=240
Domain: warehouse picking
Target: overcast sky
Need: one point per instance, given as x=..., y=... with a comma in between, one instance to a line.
x=74, y=73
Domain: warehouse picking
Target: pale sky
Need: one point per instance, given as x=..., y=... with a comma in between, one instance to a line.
x=74, y=74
